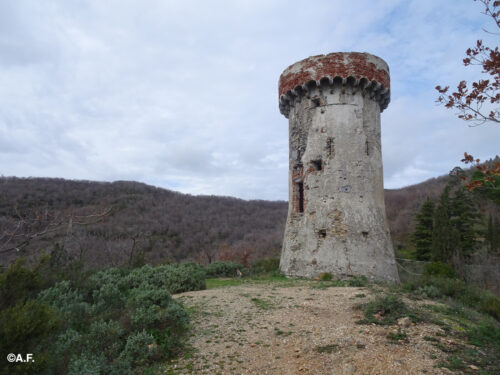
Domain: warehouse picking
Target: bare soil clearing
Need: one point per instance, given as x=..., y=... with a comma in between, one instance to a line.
x=279, y=329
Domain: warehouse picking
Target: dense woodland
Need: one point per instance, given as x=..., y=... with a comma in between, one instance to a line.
x=127, y=223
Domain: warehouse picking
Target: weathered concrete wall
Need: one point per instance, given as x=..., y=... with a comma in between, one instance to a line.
x=336, y=217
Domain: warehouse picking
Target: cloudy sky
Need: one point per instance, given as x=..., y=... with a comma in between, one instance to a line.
x=183, y=94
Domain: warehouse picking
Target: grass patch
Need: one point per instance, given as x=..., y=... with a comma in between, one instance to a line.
x=397, y=337
x=386, y=310
x=359, y=281
x=223, y=283
x=262, y=303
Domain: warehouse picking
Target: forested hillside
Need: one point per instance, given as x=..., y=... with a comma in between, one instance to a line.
x=102, y=224
x=144, y=223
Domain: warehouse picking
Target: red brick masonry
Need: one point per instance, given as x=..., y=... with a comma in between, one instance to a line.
x=342, y=64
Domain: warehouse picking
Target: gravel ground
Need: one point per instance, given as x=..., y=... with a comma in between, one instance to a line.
x=277, y=329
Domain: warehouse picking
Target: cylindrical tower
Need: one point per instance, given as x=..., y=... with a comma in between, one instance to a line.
x=336, y=215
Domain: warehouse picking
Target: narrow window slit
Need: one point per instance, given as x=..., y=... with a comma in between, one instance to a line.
x=322, y=233
x=300, y=189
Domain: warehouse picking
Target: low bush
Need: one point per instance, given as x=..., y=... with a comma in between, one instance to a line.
x=18, y=283
x=109, y=322
x=326, y=276
x=140, y=348
x=385, y=310
x=222, y=269
x=429, y=291
x=27, y=327
x=468, y=295
x=440, y=269
x=357, y=281
x=175, y=278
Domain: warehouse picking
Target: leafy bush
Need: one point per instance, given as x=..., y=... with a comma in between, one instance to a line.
x=490, y=305
x=108, y=322
x=87, y=364
x=429, y=291
x=27, y=327
x=222, y=269
x=140, y=348
x=326, y=276
x=470, y=296
x=104, y=338
x=69, y=302
x=175, y=278
x=18, y=283
x=440, y=269
x=385, y=310
x=357, y=281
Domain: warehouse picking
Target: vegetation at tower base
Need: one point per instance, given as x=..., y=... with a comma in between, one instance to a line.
x=422, y=236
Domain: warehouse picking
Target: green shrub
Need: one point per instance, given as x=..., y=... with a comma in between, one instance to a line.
x=222, y=269
x=490, y=305
x=105, y=338
x=68, y=342
x=384, y=310
x=470, y=296
x=140, y=348
x=18, y=283
x=108, y=298
x=110, y=276
x=27, y=327
x=429, y=291
x=440, y=269
x=142, y=297
x=146, y=316
x=176, y=278
x=326, y=276
x=108, y=319
x=69, y=302
x=357, y=281
x=87, y=364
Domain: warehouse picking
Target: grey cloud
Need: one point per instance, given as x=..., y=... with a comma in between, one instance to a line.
x=184, y=94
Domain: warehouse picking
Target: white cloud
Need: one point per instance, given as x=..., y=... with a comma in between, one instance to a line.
x=183, y=95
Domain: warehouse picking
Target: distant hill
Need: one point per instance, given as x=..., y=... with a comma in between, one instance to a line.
x=146, y=221
x=152, y=224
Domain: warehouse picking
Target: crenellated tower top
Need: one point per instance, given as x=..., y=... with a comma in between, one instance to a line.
x=361, y=71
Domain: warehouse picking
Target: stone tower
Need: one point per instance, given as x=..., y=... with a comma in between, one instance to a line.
x=336, y=215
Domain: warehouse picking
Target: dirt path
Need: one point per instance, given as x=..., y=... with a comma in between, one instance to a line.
x=273, y=329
